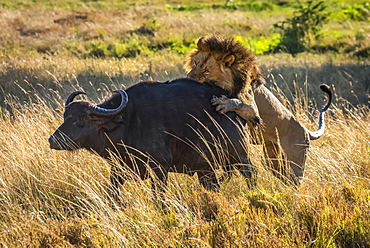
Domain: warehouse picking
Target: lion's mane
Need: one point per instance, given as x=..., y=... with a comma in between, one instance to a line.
x=245, y=71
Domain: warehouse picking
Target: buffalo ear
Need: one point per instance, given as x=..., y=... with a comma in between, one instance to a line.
x=119, y=119
x=110, y=125
x=229, y=60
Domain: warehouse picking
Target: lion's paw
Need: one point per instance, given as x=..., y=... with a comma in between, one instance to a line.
x=256, y=121
x=219, y=100
x=224, y=104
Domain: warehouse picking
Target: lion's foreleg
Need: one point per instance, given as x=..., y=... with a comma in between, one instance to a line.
x=248, y=112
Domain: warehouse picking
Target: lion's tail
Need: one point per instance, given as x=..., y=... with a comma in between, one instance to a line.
x=320, y=131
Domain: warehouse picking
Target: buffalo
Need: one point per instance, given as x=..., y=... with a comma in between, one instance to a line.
x=155, y=128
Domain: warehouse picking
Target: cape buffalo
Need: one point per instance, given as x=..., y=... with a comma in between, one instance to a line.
x=154, y=128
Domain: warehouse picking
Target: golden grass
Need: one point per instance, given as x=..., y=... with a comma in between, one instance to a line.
x=58, y=198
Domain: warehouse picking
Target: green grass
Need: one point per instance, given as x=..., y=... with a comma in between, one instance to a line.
x=111, y=31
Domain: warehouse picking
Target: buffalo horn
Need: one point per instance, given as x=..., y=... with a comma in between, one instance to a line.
x=99, y=111
x=72, y=96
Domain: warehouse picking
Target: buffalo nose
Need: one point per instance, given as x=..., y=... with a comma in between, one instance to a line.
x=53, y=143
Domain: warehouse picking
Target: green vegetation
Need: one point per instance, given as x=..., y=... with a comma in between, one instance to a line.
x=59, y=199
x=85, y=27
x=260, y=44
x=357, y=12
x=298, y=31
x=231, y=6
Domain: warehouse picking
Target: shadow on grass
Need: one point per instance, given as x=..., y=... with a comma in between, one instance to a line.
x=296, y=86
x=350, y=83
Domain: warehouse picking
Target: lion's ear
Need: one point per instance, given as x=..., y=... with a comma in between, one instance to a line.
x=200, y=43
x=229, y=60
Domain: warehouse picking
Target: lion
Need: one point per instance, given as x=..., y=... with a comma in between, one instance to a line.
x=230, y=66
x=286, y=140
x=227, y=64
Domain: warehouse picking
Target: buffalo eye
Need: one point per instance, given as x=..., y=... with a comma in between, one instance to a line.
x=80, y=121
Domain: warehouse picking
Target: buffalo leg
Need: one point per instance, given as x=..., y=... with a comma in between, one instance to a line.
x=159, y=181
x=208, y=180
x=116, y=181
x=249, y=171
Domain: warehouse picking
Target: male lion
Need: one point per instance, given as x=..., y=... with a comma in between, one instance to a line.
x=229, y=65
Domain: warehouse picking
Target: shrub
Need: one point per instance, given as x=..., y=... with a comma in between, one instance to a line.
x=148, y=27
x=298, y=31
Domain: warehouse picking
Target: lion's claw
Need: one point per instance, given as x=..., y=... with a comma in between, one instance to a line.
x=223, y=104
x=246, y=111
x=221, y=109
x=218, y=100
x=256, y=121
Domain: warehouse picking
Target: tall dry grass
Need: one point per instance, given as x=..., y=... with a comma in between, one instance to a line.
x=60, y=199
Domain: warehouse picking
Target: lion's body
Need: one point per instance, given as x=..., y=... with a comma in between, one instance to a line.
x=286, y=140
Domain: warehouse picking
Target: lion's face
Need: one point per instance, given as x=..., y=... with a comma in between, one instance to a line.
x=225, y=63
x=205, y=67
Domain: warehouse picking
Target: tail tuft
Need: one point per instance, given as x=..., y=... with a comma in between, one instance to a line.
x=321, y=128
x=325, y=88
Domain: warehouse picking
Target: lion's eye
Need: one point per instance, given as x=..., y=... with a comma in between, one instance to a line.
x=195, y=63
x=206, y=71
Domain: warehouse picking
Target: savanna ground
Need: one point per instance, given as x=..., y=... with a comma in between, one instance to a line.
x=60, y=199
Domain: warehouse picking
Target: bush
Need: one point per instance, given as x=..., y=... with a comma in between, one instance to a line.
x=297, y=32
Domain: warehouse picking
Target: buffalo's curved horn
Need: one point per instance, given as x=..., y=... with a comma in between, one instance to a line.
x=72, y=96
x=99, y=111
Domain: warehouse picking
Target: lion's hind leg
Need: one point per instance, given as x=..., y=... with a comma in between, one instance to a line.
x=287, y=171
x=295, y=144
x=296, y=153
